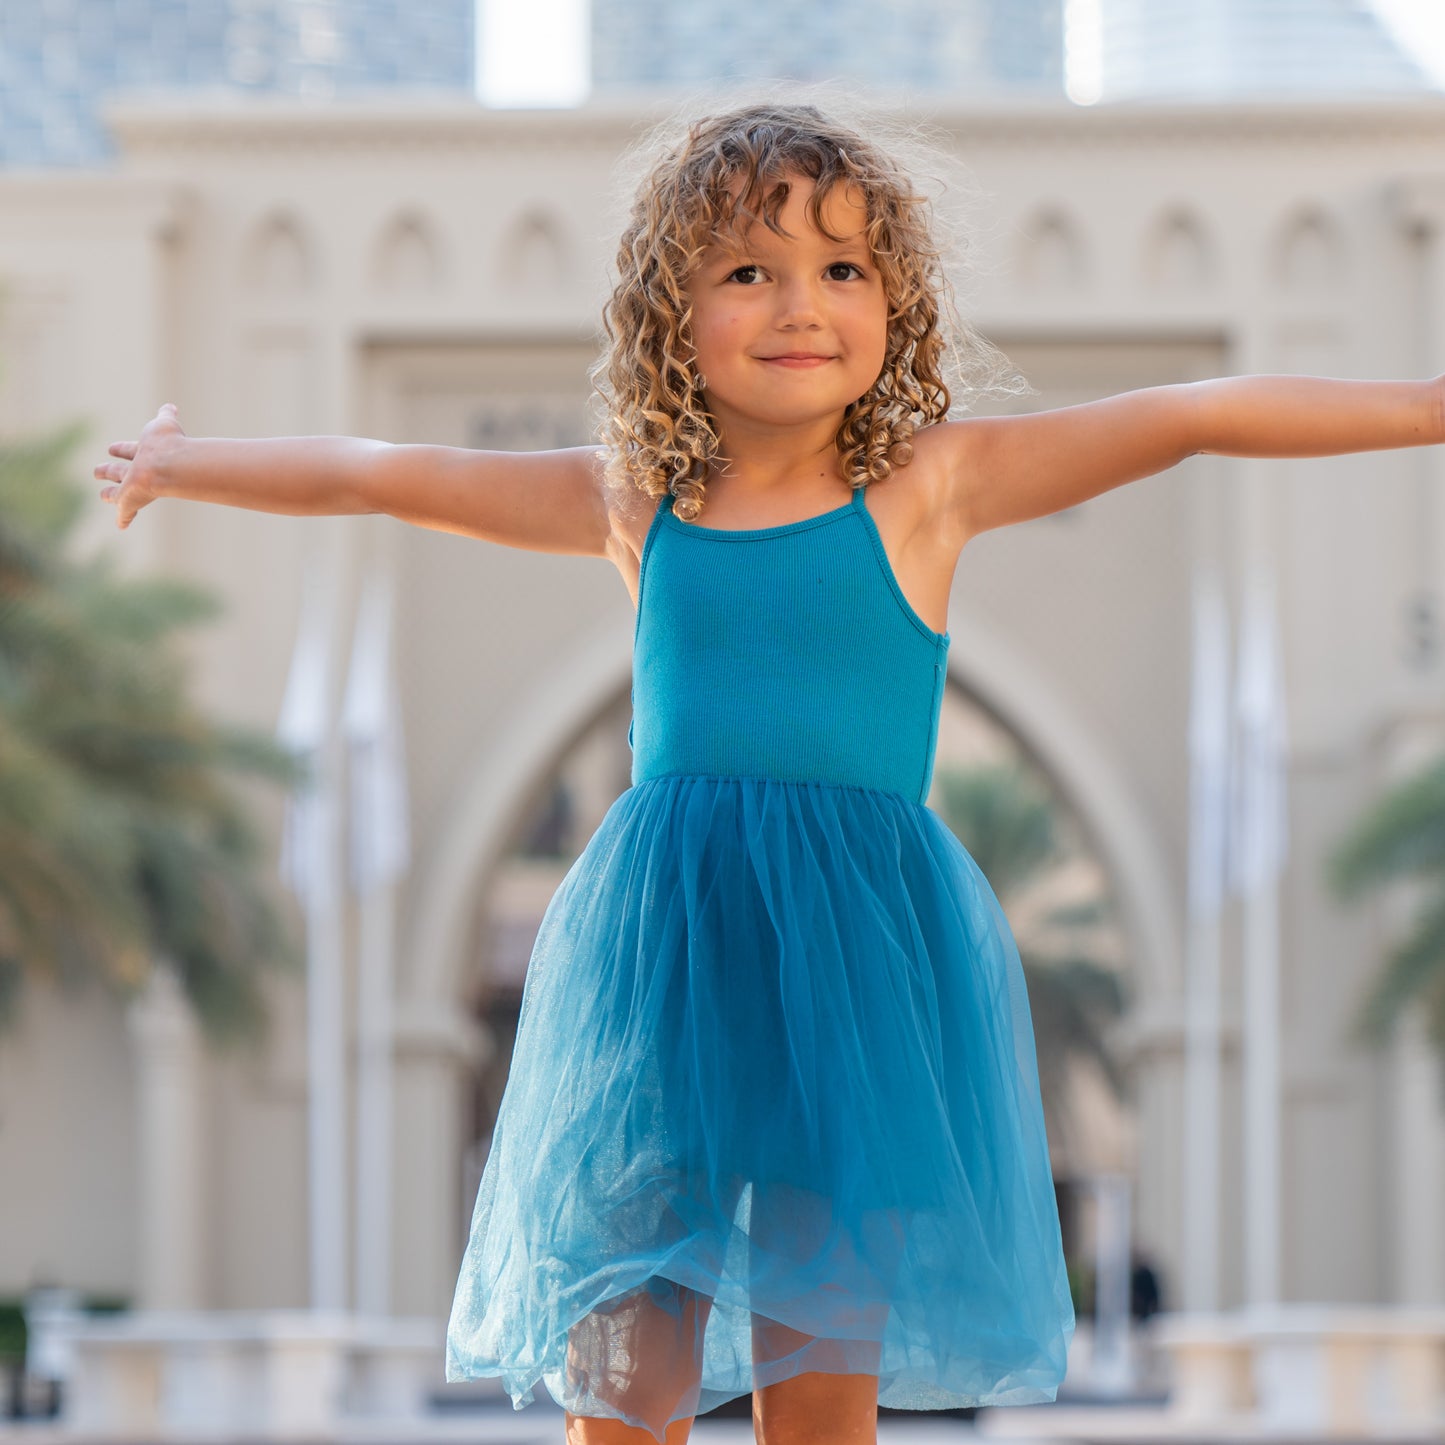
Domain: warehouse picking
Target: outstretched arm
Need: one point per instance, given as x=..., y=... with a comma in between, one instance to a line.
x=548, y=501
x=1009, y=469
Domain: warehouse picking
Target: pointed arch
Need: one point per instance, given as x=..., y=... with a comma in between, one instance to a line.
x=279, y=257
x=1179, y=252
x=536, y=252
x=1052, y=253
x=1308, y=253
x=406, y=255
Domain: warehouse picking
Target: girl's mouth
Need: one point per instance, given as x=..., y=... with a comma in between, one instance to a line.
x=799, y=359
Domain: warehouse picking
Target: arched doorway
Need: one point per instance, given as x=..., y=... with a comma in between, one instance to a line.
x=1023, y=825
x=998, y=706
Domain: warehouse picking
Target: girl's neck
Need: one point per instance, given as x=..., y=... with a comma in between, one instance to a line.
x=760, y=459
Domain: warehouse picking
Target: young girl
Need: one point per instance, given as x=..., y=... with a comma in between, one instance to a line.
x=773, y=1120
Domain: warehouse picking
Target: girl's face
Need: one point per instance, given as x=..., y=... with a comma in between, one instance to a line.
x=790, y=329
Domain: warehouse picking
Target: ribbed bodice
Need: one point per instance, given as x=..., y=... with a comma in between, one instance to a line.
x=784, y=652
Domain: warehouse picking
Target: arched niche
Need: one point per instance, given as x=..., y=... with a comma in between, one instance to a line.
x=1051, y=253
x=1308, y=254
x=535, y=254
x=1179, y=254
x=279, y=257
x=407, y=256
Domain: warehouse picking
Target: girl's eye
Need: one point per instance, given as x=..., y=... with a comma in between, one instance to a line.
x=842, y=266
x=746, y=273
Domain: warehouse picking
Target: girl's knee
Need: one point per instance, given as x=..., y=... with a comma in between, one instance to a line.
x=815, y=1407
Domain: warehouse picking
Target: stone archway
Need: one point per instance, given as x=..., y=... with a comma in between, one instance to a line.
x=437, y=1043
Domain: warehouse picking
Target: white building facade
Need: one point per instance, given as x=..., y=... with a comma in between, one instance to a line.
x=436, y=273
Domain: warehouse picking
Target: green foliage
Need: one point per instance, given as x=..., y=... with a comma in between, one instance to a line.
x=1007, y=818
x=121, y=840
x=13, y=1333
x=1400, y=838
x=1082, y=1281
x=1004, y=816
x=1402, y=835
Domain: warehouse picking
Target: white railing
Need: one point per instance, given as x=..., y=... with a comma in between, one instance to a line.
x=264, y=1375
x=1295, y=1371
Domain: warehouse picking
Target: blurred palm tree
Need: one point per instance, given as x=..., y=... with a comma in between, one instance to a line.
x=120, y=841
x=1007, y=818
x=1400, y=839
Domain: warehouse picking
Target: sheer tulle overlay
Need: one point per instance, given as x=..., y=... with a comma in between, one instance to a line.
x=773, y=1107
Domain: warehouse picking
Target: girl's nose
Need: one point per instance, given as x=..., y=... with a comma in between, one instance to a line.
x=799, y=304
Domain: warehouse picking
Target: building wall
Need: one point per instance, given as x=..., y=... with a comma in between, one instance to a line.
x=437, y=275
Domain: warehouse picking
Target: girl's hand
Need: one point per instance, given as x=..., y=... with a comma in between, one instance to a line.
x=138, y=471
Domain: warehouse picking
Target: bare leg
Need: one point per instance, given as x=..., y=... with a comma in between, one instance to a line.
x=816, y=1405
x=817, y=1408
x=641, y=1354
x=833, y=1403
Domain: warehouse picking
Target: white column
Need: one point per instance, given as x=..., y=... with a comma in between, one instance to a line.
x=311, y=864
x=170, y=1132
x=1208, y=812
x=1260, y=857
x=380, y=853
x=1255, y=867
x=438, y=1051
x=1253, y=525
x=374, y=1125
x=1263, y=1097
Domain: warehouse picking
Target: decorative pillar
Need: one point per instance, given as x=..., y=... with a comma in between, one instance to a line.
x=170, y=1132
x=438, y=1052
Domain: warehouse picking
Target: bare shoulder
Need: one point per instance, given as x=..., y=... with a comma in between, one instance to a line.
x=920, y=523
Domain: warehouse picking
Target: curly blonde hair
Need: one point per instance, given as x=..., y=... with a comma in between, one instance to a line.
x=656, y=430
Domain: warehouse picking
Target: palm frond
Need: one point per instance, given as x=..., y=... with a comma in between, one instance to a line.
x=39, y=506
x=1073, y=1000
x=1401, y=835
x=1082, y=913
x=121, y=839
x=1005, y=818
x=1413, y=969
x=12, y=976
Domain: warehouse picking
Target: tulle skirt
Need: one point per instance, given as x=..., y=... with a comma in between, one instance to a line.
x=773, y=1107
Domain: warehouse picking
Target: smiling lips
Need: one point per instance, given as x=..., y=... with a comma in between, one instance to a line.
x=797, y=358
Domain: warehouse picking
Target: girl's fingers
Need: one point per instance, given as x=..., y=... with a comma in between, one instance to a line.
x=122, y=449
